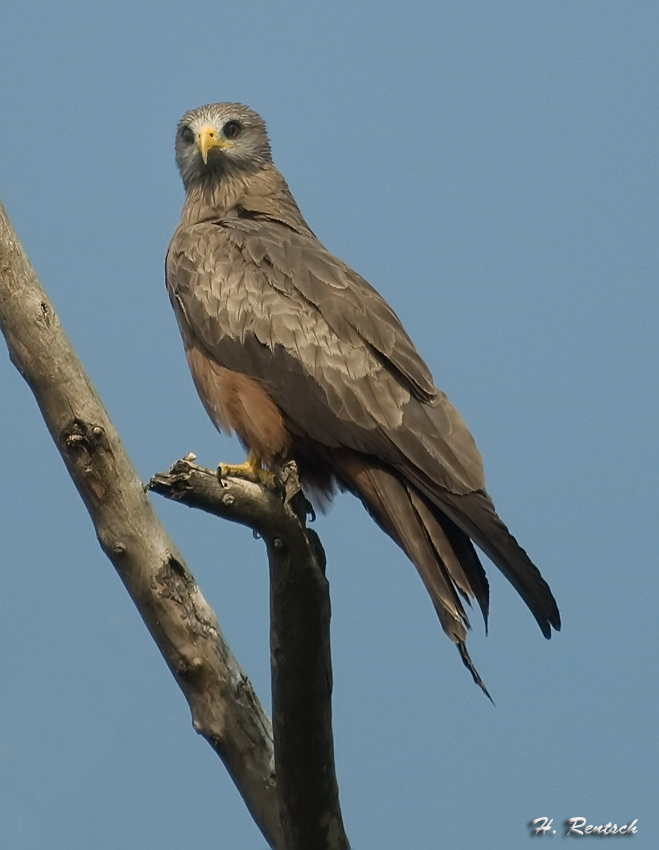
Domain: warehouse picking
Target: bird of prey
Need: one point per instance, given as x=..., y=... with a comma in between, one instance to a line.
x=299, y=356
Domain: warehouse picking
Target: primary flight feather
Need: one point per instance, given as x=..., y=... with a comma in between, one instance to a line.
x=302, y=359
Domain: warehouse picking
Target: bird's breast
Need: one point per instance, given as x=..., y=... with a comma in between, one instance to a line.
x=240, y=404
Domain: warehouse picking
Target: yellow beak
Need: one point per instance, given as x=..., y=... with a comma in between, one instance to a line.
x=207, y=138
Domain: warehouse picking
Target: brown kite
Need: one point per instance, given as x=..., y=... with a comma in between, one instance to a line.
x=302, y=359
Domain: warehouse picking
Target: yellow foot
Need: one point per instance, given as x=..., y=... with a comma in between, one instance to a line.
x=251, y=469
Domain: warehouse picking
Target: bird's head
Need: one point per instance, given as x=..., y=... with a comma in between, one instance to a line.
x=220, y=139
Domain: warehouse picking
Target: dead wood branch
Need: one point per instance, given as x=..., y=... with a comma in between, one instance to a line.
x=299, y=809
x=225, y=709
x=299, y=644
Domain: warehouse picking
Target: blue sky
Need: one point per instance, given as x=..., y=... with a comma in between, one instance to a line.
x=491, y=169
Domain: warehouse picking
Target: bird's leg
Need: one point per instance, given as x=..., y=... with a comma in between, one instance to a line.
x=251, y=469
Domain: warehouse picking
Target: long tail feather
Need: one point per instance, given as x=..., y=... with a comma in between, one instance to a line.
x=466, y=660
x=474, y=513
x=444, y=557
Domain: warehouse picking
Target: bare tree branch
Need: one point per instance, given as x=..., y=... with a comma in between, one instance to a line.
x=225, y=709
x=301, y=809
x=299, y=644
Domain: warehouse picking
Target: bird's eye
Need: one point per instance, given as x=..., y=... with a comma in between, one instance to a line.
x=232, y=129
x=187, y=135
